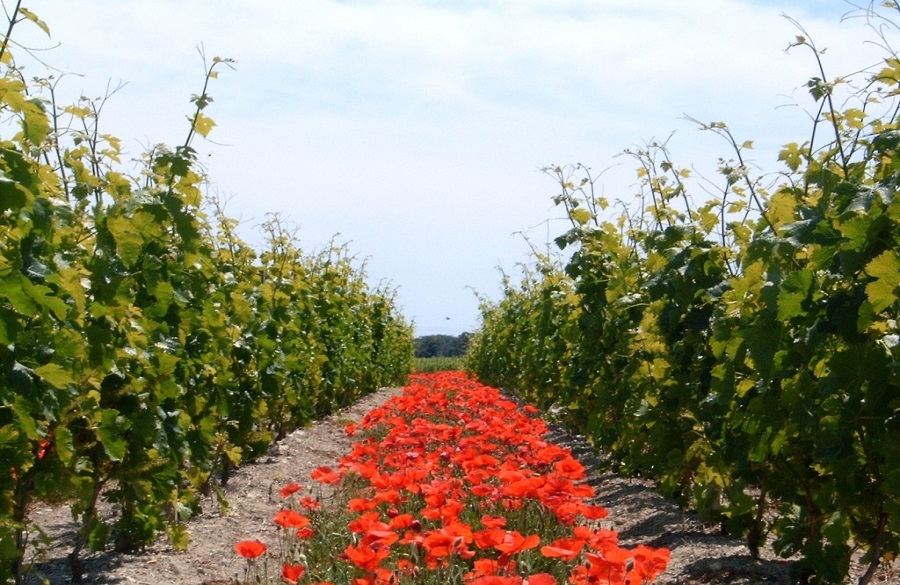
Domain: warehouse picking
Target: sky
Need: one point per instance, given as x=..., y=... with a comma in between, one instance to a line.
x=415, y=131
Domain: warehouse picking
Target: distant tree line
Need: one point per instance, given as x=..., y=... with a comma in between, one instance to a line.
x=442, y=345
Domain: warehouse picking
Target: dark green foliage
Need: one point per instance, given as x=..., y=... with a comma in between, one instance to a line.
x=428, y=346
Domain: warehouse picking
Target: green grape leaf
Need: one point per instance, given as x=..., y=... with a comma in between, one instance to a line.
x=109, y=435
x=7, y=327
x=885, y=269
x=64, y=443
x=55, y=375
x=790, y=304
x=580, y=216
x=856, y=230
x=35, y=123
x=33, y=18
x=128, y=240
x=179, y=536
x=22, y=409
x=44, y=297
x=99, y=535
x=242, y=309
x=13, y=290
x=792, y=155
x=203, y=124
x=793, y=291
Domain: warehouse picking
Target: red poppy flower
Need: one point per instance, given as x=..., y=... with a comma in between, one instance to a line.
x=367, y=521
x=540, y=579
x=493, y=521
x=597, y=539
x=365, y=556
x=289, y=489
x=310, y=503
x=401, y=521
x=291, y=519
x=496, y=580
x=489, y=537
x=250, y=549
x=563, y=548
x=361, y=504
x=569, y=468
x=488, y=567
x=44, y=447
x=325, y=475
x=292, y=573
x=513, y=542
x=594, y=512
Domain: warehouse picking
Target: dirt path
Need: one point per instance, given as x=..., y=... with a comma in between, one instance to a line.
x=700, y=555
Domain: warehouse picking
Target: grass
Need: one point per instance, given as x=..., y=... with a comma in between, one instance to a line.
x=439, y=364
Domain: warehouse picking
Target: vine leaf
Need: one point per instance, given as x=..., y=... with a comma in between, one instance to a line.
x=34, y=18
x=203, y=125
x=55, y=375
x=886, y=271
x=128, y=241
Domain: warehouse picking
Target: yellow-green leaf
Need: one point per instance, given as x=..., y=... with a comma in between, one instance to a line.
x=12, y=290
x=745, y=386
x=242, y=309
x=80, y=112
x=33, y=18
x=35, y=124
x=854, y=118
x=128, y=240
x=234, y=454
x=27, y=424
x=179, y=536
x=580, y=216
x=109, y=430
x=44, y=297
x=55, y=375
x=782, y=208
x=203, y=125
x=792, y=155
x=64, y=442
x=882, y=291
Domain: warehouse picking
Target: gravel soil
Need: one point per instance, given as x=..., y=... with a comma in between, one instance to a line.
x=700, y=554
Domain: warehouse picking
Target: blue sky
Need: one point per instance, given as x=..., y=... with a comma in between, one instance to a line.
x=416, y=130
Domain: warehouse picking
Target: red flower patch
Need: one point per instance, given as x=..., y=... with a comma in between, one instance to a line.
x=452, y=474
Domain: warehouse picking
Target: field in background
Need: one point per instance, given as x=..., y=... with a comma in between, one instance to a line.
x=438, y=364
